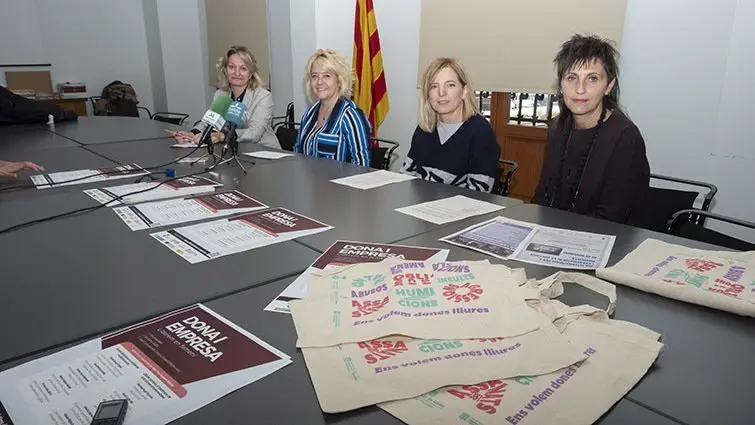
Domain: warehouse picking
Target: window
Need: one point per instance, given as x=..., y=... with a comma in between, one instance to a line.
x=483, y=102
x=532, y=108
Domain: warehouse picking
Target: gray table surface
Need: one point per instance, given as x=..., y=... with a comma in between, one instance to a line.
x=28, y=140
x=75, y=277
x=361, y=215
x=91, y=274
x=706, y=352
x=302, y=184
x=287, y=397
x=97, y=130
x=161, y=151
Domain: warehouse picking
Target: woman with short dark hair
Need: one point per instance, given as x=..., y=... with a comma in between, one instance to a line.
x=595, y=162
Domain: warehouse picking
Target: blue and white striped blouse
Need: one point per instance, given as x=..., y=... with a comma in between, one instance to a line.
x=344, y=137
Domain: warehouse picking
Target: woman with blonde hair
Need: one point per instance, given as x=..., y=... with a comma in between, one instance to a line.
x=333, y=126
x=239, y=79
x=453, y=143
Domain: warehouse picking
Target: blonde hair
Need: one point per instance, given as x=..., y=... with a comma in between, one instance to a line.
x=334, y=62
x=246, y=55
x=428, y=118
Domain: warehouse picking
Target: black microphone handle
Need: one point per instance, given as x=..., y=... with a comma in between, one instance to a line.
x=230, y=136
x=205, y=136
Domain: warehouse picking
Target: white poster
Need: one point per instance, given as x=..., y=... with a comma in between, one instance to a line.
x=150, y=191
x=65, y=178
x=205, y=241
x=175, y=211
x=531, y=243
x=166, y=368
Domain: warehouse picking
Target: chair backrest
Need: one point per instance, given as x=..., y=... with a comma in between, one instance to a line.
x=290, y=112
x=170, y=117
x=506, y=170
x=680, y=225
x=662, y=203
x=93, y=100
x=287, y=132
x=146, y=111
x=382, y=153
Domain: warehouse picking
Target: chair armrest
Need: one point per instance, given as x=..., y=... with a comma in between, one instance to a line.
x=708, y=197
x=707, y=214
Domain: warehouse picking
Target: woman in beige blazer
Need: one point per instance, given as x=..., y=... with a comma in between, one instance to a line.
x=239, y=79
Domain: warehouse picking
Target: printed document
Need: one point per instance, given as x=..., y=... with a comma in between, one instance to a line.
x=531, y=243
x=450, y=209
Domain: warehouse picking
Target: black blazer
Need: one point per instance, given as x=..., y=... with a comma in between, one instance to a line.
x=616, y=179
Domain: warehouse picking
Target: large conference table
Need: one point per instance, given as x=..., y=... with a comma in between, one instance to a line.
x=65, y=281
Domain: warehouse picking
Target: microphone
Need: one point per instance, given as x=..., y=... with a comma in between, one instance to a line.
x=213, y=118
x=235, y=119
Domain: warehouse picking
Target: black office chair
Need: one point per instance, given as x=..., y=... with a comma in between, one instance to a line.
x=146, y=110
x=93, y=100
x=287, y=132
x=682, y=224
x=382, y=155
x=502, y=185
x=289, y=117
x=663, y=203
x=176, y=118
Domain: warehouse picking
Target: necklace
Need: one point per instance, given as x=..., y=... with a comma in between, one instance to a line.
x=572, y=197
x=324, y=113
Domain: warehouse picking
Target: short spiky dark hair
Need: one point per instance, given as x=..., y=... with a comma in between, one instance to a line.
x=582, y=49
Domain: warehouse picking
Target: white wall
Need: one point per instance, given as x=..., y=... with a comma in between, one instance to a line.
x=96, y=42
x=281, y=70
x=184, y=55
x=672, y=74
x=303, y=42
x=686, y=82
x=733, y=155
x=20, y=40
x=155, y=55
x=399, y=38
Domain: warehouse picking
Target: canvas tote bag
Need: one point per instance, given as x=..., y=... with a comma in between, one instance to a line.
x=617, y=354
x=354, y=375
x=717, y=279
x=448, y=300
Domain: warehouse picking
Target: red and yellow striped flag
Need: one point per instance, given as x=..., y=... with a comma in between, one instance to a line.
x=370, y=92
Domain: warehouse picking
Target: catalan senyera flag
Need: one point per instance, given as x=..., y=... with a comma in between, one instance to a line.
x=370, y=92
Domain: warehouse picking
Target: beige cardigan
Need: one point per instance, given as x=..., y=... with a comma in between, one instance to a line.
x=257, y=119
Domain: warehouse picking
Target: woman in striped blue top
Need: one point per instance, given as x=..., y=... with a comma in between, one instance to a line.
x=333, y=127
